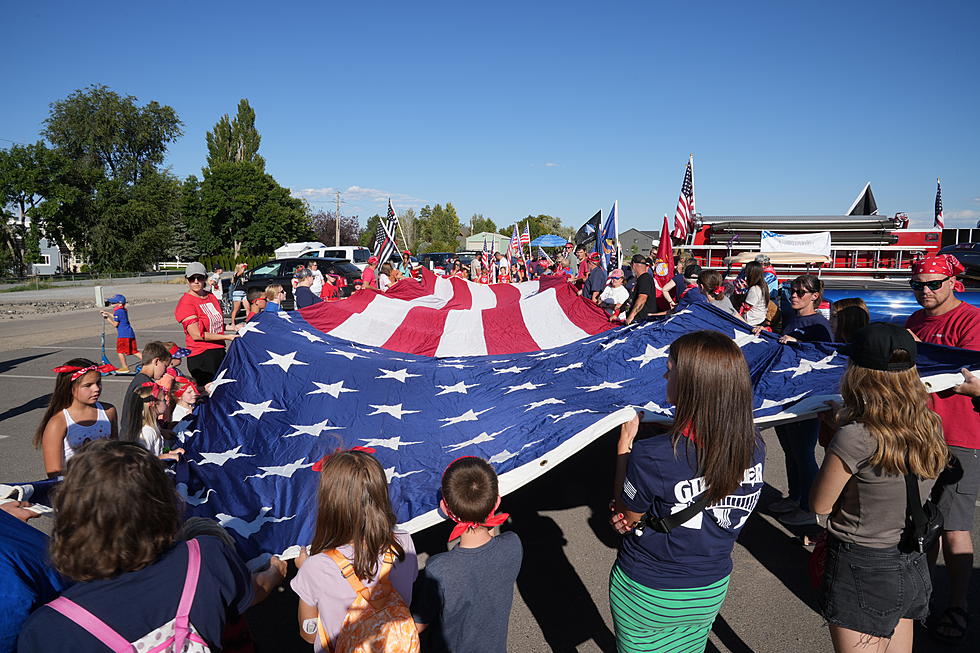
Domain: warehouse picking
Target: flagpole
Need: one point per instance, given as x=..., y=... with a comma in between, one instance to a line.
x=694, y=199
x=402, y=231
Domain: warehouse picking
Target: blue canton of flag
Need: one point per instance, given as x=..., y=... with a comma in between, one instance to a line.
x=288, y=394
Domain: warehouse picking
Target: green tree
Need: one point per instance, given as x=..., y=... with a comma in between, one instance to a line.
x=480, y=224
x=247, y=210
x=409, y=227
x=541, y=225
x=235, y=140
x=325, y=228
x=440, y=231
x=99, y=129
x=367, y=236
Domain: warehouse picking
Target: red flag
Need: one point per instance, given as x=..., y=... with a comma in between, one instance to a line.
x=663, y=265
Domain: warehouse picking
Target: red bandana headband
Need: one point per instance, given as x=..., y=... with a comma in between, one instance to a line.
x=78, y=372
x=318, y=465
x=461, y=526
x=944, y=264
x=155, y=390
x=183, y=383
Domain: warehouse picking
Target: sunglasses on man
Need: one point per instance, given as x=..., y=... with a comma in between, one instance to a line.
x=199, y=278
x=931, y=285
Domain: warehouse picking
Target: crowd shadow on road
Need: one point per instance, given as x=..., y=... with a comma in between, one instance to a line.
x=6, y=366
x=26, y=407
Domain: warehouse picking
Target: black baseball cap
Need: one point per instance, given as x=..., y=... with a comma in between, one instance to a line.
x=872, y=347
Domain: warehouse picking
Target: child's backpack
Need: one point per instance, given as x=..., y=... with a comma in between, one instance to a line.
x=175, y=636
x=378, y=621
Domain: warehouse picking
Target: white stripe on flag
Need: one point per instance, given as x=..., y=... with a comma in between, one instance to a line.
x=465, y=334
x=547, y=323
x=375, y=324
x=483, y=297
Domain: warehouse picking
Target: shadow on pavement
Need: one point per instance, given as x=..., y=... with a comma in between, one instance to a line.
x=33, y=404
x=6, y=366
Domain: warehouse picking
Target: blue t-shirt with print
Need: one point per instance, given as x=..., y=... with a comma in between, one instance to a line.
x=698, y=552
x=809, y=328
x=123, y=329
x=138, y=602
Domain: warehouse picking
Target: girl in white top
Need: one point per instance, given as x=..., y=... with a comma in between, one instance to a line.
x=185, y=396
x=756, y=303
x=74, y=415
x=145, y=421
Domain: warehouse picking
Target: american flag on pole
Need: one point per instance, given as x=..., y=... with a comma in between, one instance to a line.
x=282, y=400
x=938, y=223
x=684, y=214
x=384, y=237
x=526, y=235
x=515, y=242
x=485, y=256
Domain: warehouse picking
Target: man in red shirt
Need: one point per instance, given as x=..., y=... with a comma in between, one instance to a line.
x=945, y=320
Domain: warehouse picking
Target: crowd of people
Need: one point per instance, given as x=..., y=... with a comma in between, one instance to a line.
x=898, y=483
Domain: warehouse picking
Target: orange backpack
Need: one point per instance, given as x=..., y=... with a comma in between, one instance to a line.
x=378, y=621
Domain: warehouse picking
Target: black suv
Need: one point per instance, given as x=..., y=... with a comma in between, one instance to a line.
x=281, y=271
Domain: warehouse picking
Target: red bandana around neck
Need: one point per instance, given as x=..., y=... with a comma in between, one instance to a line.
x=463, y=526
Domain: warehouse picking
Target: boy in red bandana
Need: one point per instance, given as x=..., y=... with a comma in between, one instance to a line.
x=463, y=597
x=945, y=320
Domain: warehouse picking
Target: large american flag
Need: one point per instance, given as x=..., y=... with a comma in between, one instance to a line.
x=384, y=237
x=938, y=223
x=287, y=394
x=684, y=214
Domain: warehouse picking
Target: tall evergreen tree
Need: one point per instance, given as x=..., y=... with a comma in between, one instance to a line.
x=235, y=140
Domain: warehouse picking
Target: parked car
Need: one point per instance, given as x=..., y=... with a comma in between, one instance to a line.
x=436, y=261
x=281, y=271
x=355, y=254
x=466, y=257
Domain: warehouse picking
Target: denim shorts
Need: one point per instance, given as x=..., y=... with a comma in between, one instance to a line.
x=237, y=295
x=868, y=590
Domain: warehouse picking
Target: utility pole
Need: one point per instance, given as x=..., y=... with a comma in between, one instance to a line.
x=337, y=222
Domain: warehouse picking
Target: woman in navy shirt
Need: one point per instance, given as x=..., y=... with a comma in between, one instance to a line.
x=667, y=587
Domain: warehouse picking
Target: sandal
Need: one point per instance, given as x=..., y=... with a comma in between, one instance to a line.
x=954, y=620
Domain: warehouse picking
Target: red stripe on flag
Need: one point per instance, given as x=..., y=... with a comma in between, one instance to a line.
x=505, y=331
x=420, y=331
x=583, y=313
x=505, y=293
x=462, y=298
x=326, y=317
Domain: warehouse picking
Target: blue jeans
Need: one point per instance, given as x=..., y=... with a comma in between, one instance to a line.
x=798, y=441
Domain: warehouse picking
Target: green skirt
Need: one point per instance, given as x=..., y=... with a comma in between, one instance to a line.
x=662, y=620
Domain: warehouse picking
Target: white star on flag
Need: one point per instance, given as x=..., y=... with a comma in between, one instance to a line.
x=349, y=355
x=509, y=370
x=506, y=455
x=806, y=366
x=388, y=443
x=460, y=387
x=653, y=407
x=364, y=349
x=249, y=327
x=742, y=338
x=611, y=344
x=256, y=410
x=605, y=385
x=544, y=402
x=569, y=413
x=769, y=403
x=332, y=389
x=395, y=411
x=284, y=361
x=286, y=471
x=312, y=337
x=479, y=439
x=390, y=473
x=313, y=429
x=249, y=528
x=651, y=353
x=524, y=386
x=398, y=375
x=572, y=366
x=219, y=459
x=468, y=416
x=219, y=381
x=284, y=315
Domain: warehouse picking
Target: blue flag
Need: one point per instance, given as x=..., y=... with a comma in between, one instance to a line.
x=288, y=394
x=608, y=246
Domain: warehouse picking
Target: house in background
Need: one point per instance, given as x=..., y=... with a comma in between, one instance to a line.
x=634, y=241
x=50, y=262
x=495, y=242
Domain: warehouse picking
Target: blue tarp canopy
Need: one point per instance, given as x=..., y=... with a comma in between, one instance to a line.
x=549, y=240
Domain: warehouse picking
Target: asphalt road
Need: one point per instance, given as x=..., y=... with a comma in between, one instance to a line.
x=560, y=603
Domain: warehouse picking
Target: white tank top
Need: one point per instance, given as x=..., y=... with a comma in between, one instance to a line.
x=78, y=434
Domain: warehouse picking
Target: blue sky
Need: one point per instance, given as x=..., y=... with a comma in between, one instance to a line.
x=507, y=109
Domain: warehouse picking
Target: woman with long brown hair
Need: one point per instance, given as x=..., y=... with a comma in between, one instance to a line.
x=705, y=474
x=354, y=543
x=874, y=586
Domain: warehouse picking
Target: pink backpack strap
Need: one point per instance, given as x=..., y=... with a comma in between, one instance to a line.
x=182, y=622
x=95, y=626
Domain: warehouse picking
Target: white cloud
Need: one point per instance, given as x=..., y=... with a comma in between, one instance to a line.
x=965, y=214
x=360, y=197
x=551, y=165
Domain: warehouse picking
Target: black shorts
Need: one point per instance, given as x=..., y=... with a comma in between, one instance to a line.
x=869, y=590
x=205, y=365
x=958, y=489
